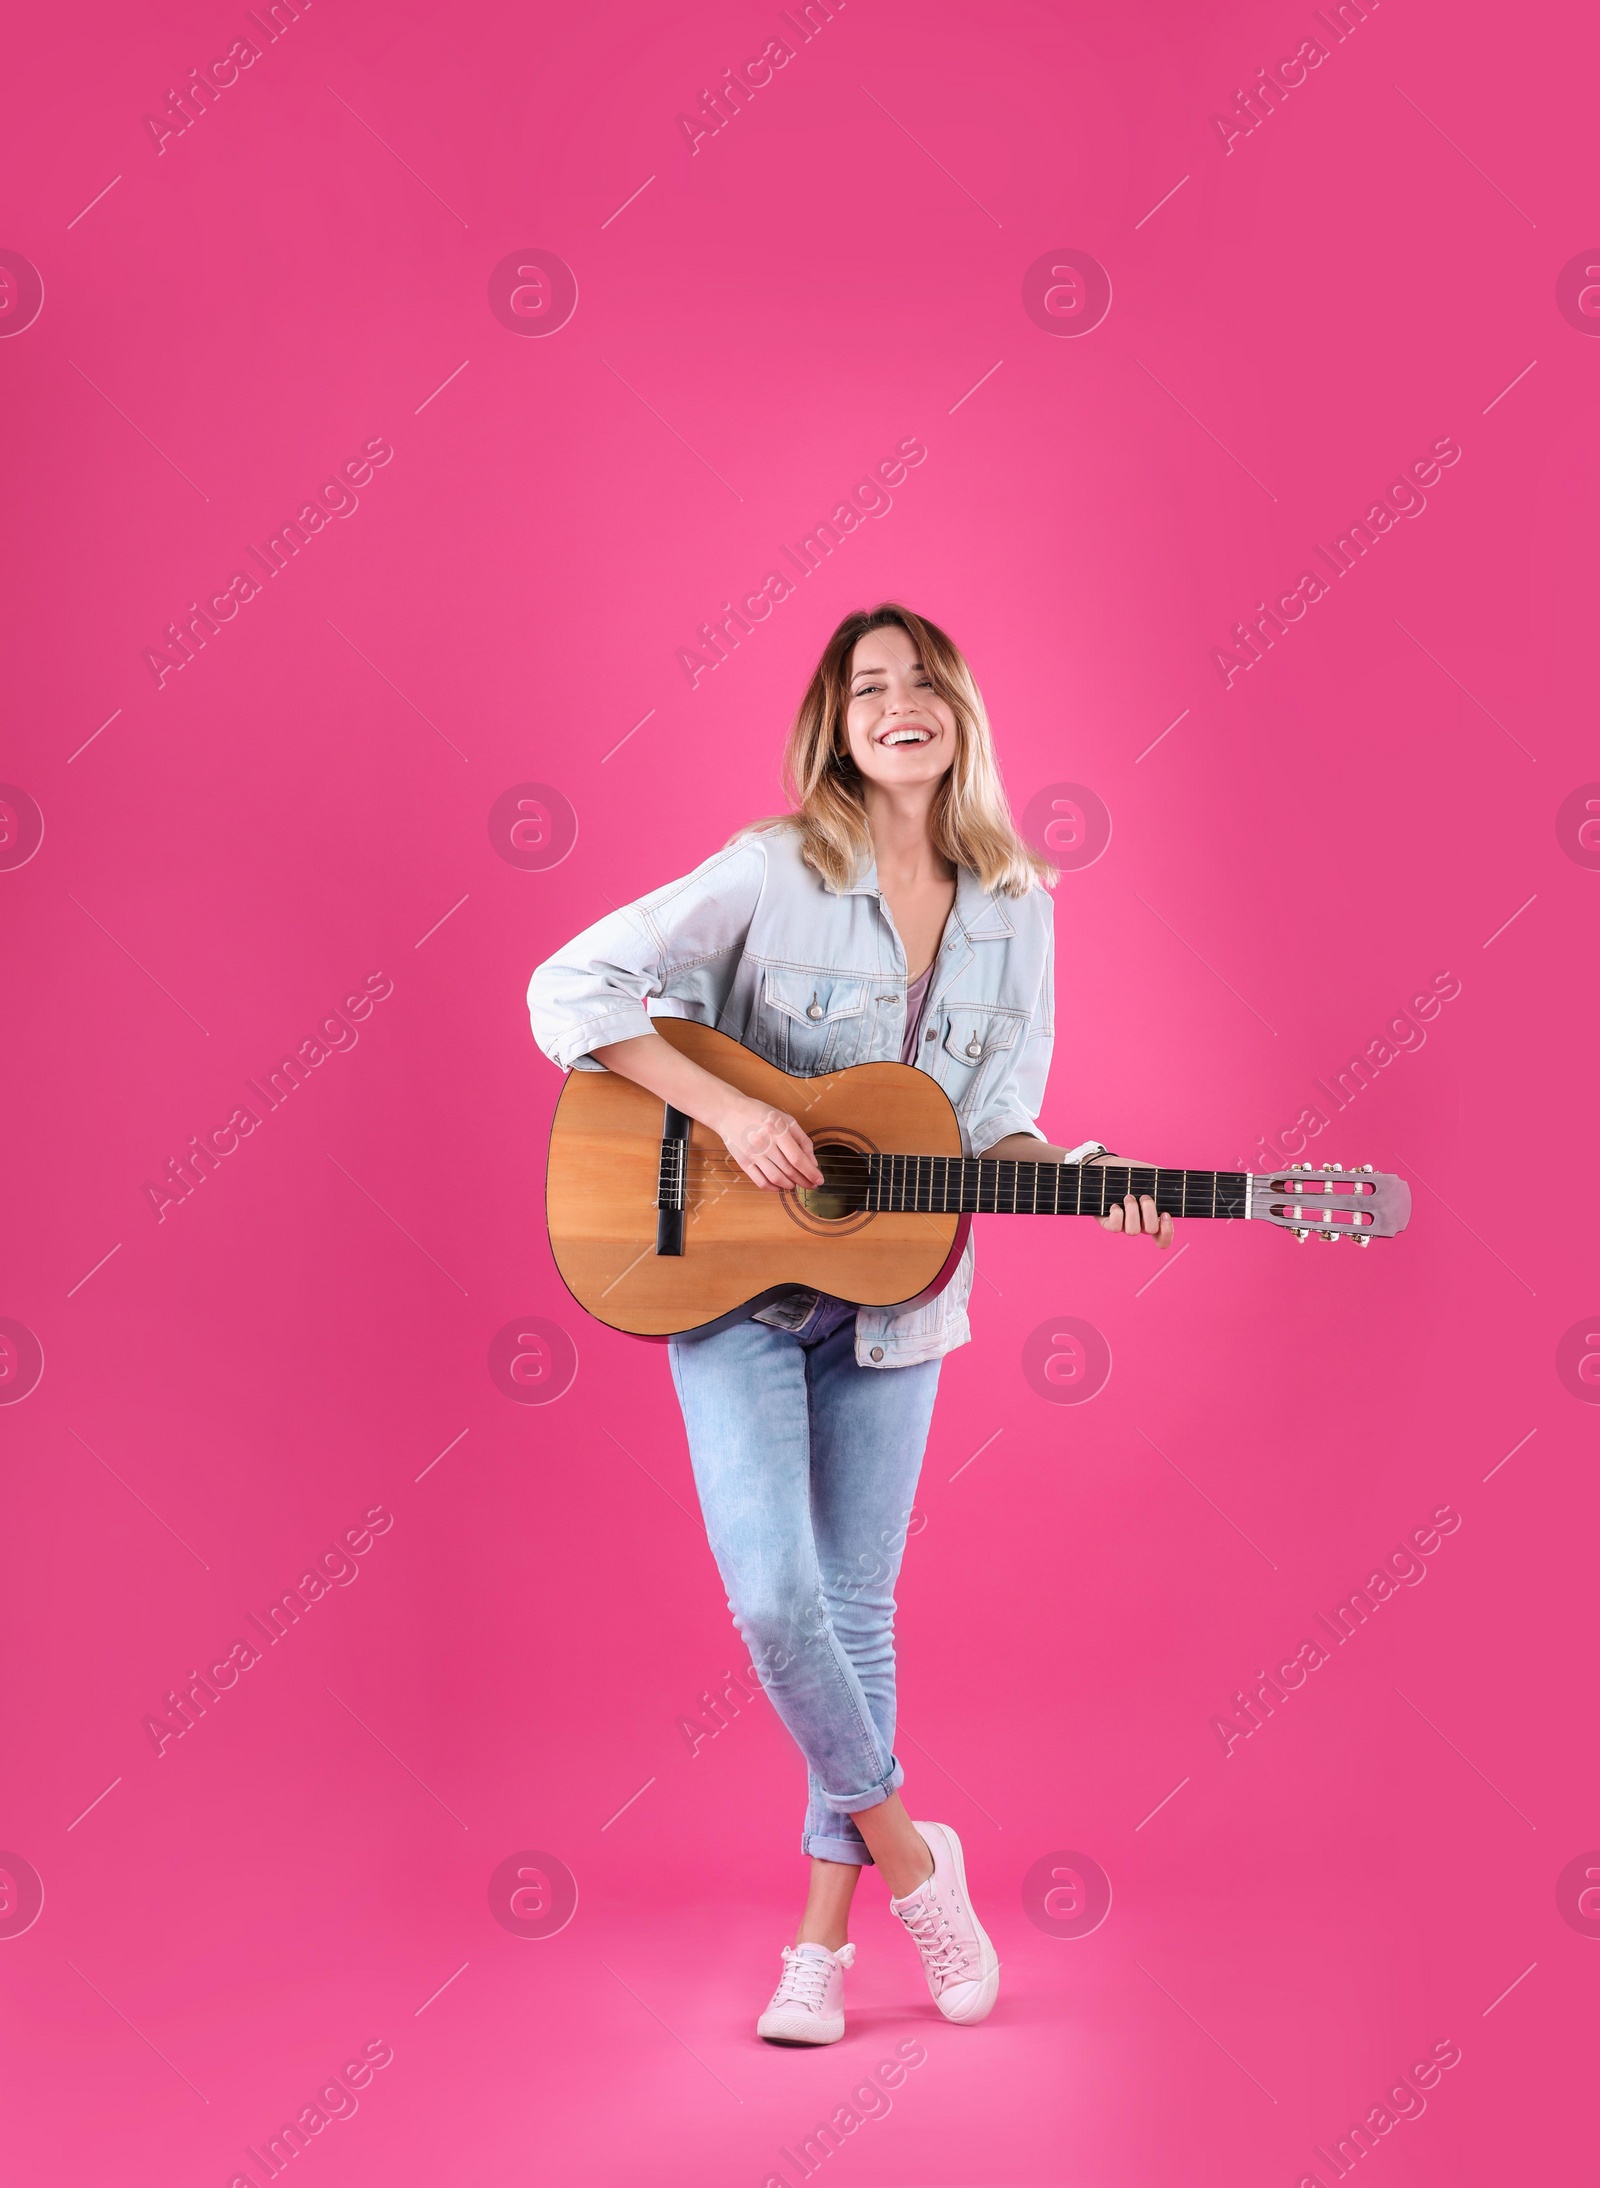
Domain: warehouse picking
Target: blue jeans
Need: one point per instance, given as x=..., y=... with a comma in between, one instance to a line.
x=806, y=1466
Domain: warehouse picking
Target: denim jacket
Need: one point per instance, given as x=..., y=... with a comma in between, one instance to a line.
x=813, y=978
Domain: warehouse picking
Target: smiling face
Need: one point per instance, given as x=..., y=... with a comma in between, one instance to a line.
x=901, y=734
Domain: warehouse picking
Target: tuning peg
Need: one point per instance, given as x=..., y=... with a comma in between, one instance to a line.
x=1332, y=1237
x=1367, y=1168
x=1361, y=1238
x=1302, y=1236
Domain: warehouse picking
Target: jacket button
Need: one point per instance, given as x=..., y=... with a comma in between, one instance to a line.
x=814, y=1010
x=931, y=1034
x=877, y=1352
x=974, y=1046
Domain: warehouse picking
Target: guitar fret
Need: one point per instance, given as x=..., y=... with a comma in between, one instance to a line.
x=956, y=1184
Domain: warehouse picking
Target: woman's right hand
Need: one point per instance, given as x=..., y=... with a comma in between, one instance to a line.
x=767, y=1144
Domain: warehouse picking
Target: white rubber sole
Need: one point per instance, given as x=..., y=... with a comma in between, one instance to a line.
x=981, y=2003
x=788, y=2027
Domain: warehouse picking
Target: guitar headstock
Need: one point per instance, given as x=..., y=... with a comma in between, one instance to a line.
x=1332, y=1202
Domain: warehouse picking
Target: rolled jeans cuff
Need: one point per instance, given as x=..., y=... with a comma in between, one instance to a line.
x=825, y=1849
x=839, y=1840
x=851, y=1804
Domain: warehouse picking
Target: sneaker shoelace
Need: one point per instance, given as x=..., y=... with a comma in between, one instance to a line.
x=805, y=1980
x=943, y=1953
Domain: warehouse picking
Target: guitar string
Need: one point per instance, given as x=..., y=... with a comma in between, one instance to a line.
x=1314, y=1212
x=1308, y=1187
x=1310, y=1178
x=733, y=1179
x=991, y=1174
x=1311, y=1214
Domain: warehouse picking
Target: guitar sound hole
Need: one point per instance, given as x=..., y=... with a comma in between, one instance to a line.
x=843, y=1191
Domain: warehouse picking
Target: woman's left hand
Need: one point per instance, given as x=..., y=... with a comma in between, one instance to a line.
x=1137, y=1217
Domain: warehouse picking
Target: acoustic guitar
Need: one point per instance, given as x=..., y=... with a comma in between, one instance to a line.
x=656, y=1230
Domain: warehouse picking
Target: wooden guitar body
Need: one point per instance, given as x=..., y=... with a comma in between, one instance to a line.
x=742, y=1243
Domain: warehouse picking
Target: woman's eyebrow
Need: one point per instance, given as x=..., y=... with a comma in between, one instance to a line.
x=854, y=673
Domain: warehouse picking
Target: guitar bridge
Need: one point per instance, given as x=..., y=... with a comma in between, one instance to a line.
x=672, y=1182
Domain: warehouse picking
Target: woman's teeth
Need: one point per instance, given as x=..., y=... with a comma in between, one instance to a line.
x=906, y=737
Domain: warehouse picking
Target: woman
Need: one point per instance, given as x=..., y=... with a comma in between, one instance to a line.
x=895, y=913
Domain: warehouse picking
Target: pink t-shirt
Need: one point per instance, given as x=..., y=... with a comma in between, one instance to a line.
x=916, y=996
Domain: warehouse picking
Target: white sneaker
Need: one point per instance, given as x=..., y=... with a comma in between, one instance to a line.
x=808, y=2005
x=962, y=1967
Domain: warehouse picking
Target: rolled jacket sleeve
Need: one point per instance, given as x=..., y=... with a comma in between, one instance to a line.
x=1013, y=1102
x=679, y=945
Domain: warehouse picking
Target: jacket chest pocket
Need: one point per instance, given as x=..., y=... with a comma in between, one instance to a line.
x=975, y=1036
x=810, y=1021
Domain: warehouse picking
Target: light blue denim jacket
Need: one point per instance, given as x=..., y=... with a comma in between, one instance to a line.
x=756, y=944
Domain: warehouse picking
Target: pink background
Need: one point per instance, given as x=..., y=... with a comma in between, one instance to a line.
x=228, y=856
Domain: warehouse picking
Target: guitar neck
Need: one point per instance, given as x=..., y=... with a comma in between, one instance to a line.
x=957, y=1185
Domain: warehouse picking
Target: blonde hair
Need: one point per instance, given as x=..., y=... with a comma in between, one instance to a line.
x=971, y=820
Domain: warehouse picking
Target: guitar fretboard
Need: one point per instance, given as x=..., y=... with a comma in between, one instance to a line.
x=955, y=1184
